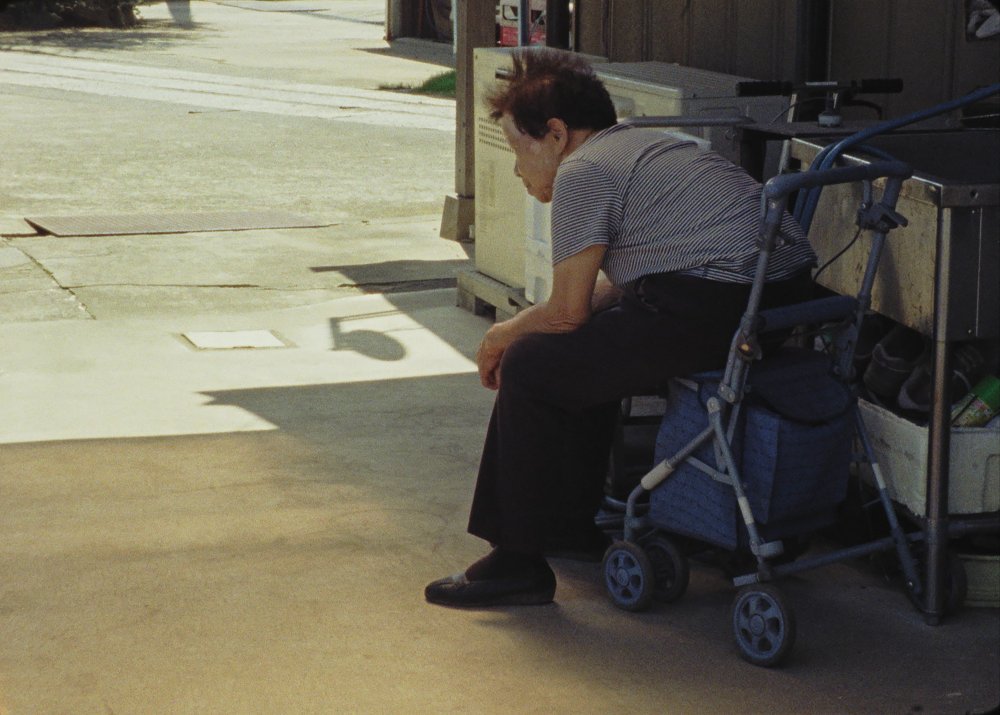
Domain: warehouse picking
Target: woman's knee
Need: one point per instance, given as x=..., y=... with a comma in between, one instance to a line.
x=526, y=360
x=555, y=370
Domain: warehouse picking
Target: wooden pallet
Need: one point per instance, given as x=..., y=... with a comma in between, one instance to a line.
x=483, y=295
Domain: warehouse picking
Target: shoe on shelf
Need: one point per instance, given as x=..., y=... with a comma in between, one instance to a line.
x=915, y=394
x=873, y=329
x=968, y=365
x=893, y=360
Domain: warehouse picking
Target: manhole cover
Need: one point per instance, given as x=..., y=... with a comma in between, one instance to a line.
x=138, y=224
x=234, y=340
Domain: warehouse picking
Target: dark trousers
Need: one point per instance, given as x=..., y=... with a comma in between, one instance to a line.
x=546, y=453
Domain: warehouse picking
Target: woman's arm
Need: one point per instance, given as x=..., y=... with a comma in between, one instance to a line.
x=569, y=306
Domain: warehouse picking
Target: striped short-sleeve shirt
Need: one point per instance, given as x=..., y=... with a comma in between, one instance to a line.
x=663, y=205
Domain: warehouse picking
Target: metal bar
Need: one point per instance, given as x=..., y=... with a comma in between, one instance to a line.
x=688, y=121
x=557, y=23
x=785, y=184
x=906, y=560
x=664, y=469
x=724, y=451
x=939, y=436
x=974, y=524
x=524, y=23
x=805, y=564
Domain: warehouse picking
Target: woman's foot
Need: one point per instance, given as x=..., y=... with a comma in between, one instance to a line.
x=501, y=578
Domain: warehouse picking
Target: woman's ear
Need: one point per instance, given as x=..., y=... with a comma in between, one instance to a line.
x=558, y=129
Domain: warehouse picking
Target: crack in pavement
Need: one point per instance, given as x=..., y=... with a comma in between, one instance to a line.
x=31, y=260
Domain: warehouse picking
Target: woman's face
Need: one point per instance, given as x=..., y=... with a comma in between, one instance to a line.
x=536, y=160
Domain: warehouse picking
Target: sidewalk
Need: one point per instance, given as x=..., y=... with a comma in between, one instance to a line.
x=166, y=120
x=189, y=528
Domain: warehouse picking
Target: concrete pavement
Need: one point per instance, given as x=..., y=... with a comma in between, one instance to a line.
x=193, y=529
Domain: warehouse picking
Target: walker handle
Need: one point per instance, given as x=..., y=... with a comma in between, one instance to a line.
x=785, y=184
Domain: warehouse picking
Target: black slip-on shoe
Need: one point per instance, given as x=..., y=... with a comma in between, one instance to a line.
x=531, y=589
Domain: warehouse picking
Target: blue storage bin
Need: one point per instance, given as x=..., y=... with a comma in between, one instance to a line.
x=794, y=474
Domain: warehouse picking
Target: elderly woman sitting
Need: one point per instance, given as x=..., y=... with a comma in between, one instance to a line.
x=653, y=251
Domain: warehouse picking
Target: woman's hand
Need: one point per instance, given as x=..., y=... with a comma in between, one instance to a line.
x=569, y=307
x=488, y=358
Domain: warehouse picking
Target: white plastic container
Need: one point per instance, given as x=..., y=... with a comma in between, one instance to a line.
x=901, y=449
x=983, y=572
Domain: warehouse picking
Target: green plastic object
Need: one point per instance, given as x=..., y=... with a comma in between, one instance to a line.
x=979, y=406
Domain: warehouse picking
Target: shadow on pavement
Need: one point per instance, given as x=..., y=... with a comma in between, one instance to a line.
x=427, y=51
x=149, y=34
x=390, y=435
x=399, y=275
x=370, y=343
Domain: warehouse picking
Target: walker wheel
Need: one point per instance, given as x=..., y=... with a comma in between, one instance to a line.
x=763, y=625
x=670, y=568
x=629, y=576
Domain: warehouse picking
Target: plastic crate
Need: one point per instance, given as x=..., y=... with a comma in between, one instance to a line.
x=901, y=449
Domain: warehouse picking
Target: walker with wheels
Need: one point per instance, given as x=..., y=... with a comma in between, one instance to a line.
x=755, y=456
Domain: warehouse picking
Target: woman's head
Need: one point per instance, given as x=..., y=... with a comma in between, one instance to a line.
x=550, y=84
x=552, y=102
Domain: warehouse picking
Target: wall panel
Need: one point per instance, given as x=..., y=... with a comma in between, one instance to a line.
x=668, y=28
x=921, y=41
x=712, y=34
x=628, y=30
x=756, y=38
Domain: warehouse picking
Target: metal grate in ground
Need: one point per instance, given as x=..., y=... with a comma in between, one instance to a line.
x=160, y=223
